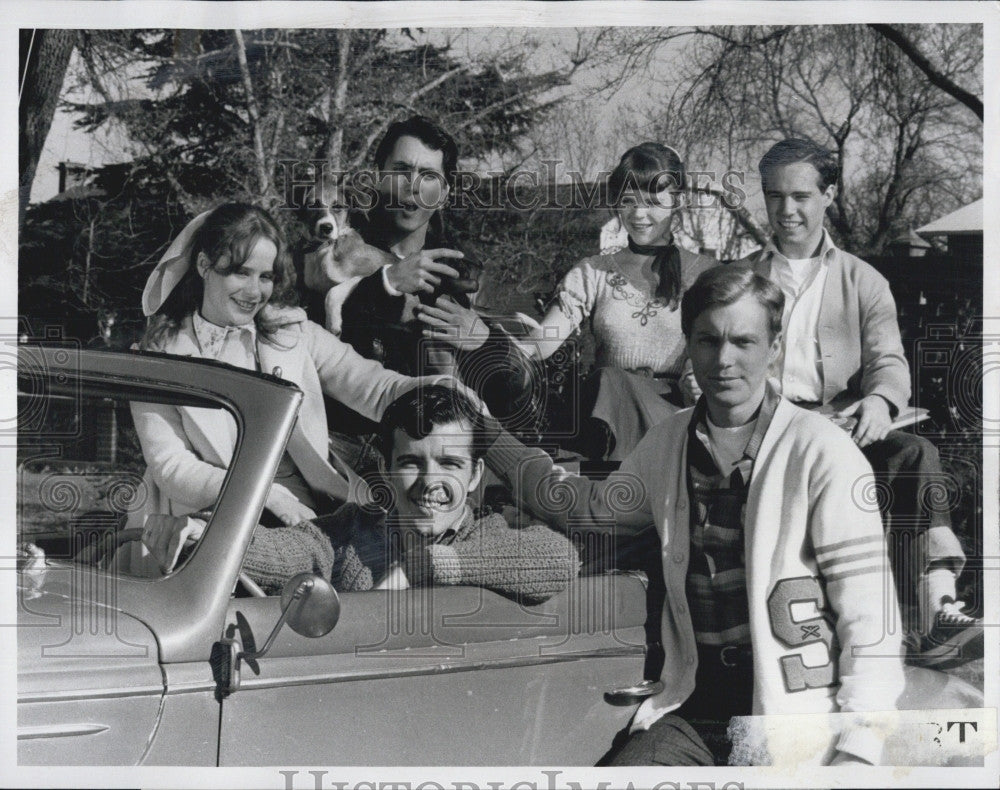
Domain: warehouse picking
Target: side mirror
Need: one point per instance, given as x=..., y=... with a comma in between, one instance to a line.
x=309, y=605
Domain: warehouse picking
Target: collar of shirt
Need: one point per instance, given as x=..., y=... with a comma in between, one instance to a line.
x=826, y=249
x=795, y=283
x=213, y=339
x=698, y=430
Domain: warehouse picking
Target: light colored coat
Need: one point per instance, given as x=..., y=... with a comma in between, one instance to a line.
x=188, y=450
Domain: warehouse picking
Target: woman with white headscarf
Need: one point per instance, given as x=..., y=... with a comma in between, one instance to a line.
x=223, y=291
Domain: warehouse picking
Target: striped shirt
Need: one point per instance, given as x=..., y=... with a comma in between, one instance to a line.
x=716, y=578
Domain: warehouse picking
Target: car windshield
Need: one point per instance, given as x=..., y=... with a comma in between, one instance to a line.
x=84, y=485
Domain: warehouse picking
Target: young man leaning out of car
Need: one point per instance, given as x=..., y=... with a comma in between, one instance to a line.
x=425, y=533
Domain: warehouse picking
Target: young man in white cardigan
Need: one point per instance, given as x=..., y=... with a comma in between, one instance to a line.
x=778, y=587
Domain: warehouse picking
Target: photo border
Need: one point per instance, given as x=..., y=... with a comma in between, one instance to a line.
x=63, y=13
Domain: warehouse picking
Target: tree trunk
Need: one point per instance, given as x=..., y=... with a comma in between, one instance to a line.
x=45, y=56
x=87, y=260
x=338, y=104
x=253, y=111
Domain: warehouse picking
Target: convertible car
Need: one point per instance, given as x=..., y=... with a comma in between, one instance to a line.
x=198, y=667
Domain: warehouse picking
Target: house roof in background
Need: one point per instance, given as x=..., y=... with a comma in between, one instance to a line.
x=911, y=239
x=968, y=219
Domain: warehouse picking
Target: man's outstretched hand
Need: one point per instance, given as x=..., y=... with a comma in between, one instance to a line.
x=458, y=326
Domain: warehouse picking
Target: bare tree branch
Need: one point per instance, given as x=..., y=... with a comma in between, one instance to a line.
x=942, y=81
x=474, y=118
x=743, y=217
x=379, y=128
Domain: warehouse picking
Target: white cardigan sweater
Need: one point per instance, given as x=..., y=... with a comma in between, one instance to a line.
x=810, y=533
x=188, y=450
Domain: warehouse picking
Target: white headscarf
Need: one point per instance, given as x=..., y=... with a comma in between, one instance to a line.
x=171, y=268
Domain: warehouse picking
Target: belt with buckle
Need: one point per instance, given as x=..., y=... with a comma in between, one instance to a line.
x=728, y=656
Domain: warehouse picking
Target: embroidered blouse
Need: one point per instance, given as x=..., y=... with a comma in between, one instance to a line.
x=234, y=345
x=633, y=329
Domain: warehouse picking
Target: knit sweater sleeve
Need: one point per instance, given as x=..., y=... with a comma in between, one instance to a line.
x=530, y=564
x=564, y=500
x=275, y=555
x=326, y=545
x=577, y=293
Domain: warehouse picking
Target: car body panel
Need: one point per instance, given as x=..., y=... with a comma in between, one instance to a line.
x=189, y=722
x=119, y=671
x=532, y=714
x=90, y=684
x=495, y=681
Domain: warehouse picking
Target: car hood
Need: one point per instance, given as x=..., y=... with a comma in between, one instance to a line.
x=73, y=634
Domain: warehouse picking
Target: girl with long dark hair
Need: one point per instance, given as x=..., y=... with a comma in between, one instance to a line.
x=631, y=300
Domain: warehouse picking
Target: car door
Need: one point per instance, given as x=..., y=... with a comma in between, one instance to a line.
x=114, y=663
x=440, y=676
x=91, y=689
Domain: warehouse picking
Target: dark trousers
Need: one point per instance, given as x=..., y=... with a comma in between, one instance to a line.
x=617, y=408
x=910, y=467
x=695, y=733
x=912, y=496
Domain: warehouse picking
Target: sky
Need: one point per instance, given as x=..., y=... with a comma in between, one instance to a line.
x=66, y=144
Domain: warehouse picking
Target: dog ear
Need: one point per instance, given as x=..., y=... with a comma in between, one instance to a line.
x=306, y=207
